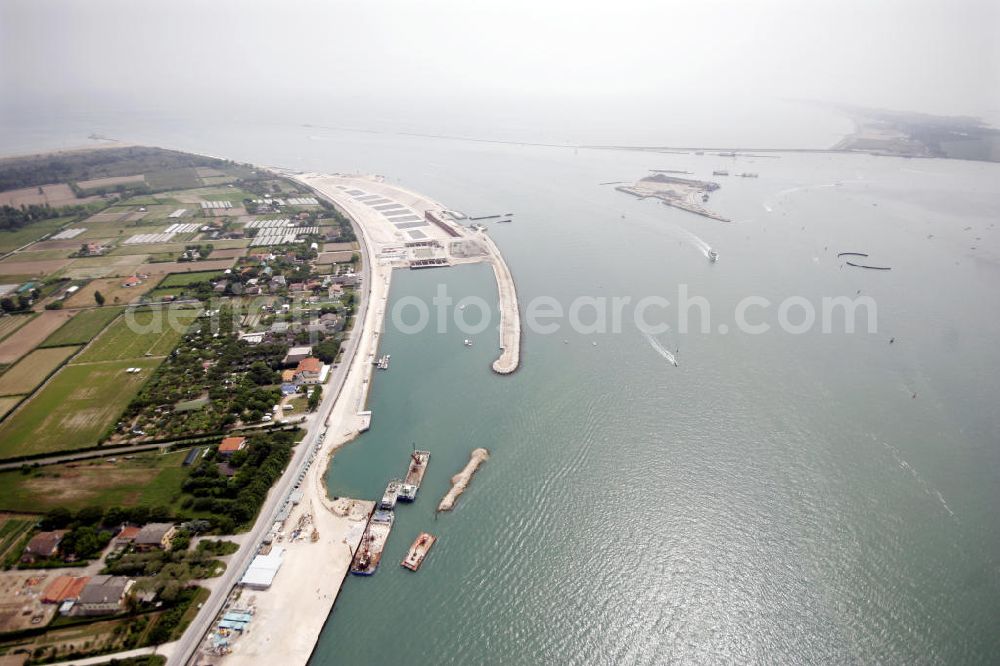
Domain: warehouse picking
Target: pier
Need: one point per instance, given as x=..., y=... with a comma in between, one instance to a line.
x=510, y=317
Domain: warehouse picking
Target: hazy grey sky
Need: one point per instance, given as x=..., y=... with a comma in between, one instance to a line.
x=939, y=56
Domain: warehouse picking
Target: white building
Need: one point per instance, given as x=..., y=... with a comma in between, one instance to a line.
x=262, y=570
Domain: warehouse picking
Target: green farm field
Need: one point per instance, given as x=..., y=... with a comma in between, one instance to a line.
x=147, y=479
x=82, y=328
x=141, y=333
x=75, y=409
x=11, y=240
x=185, y=279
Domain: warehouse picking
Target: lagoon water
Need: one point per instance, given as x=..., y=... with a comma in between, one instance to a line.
x=777, y=497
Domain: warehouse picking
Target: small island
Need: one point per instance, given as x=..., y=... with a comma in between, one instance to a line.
x=684, y=193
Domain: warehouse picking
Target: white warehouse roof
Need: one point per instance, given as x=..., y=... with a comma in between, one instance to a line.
x=263, y=569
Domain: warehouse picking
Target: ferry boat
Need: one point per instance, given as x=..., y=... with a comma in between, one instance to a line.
x=713, y=256
x=383, y=362
x=372, y=544
x=414, y=475
x=390, y=495
x=418, y=551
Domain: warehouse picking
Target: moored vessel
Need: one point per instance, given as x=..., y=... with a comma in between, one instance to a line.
x=414, y=475
x=369, y=552
x=418, y=551
x=390, y=495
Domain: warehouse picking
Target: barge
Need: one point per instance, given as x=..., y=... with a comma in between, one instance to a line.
x=373, y=541
x=418, y=551
x=414, y=475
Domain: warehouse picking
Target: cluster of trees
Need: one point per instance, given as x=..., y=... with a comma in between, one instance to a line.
x=167, y=573
x=61, y=517
x=202, y=251
x=18, y=303
x=90, y=529
x=86, y=165
x=314, y=397
x=345, y=230
x=240, y=382
x=328, y=348
x=13, y=218
x=235, y=501
x=169, y=625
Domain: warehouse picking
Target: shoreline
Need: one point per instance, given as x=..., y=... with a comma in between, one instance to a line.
x=291, y=613
x=290, y=631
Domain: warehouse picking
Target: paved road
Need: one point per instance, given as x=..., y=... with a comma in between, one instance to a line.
x=166, y=649
x=184, y=649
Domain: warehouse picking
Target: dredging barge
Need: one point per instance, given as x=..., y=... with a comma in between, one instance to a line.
x=372, y=544
x=414, y=475
x=418, y=551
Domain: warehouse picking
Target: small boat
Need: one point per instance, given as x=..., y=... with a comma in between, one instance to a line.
x=713, y=256
x=467, y=342
x=418, y=551
x=390, y=495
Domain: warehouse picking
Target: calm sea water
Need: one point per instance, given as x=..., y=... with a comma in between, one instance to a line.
x=775, y=498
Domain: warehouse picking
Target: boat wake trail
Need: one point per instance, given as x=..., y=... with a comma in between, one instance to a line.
x=661, y=350
x=775, y=199
x=930, y=490
x=698, y=243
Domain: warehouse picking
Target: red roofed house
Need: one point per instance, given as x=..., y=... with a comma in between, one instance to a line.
x=309, y=370
x=127, y=535
x=231, y=445
x=131, y=281
x=64, y=588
